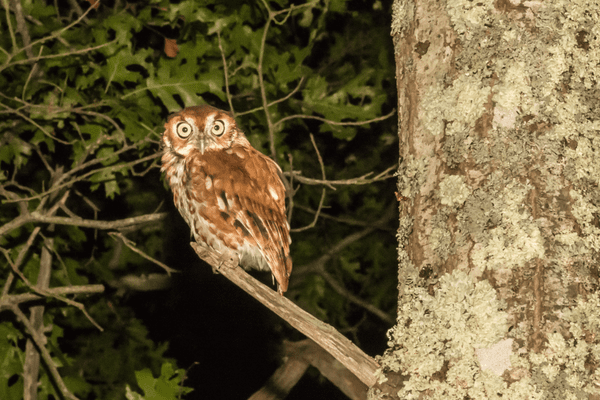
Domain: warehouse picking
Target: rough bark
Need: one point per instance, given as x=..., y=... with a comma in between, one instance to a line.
x=499, y=231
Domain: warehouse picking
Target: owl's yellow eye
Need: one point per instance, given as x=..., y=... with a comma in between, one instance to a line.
x=183, y=129
x=218, y=128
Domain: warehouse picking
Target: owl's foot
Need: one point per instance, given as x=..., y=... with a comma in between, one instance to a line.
x=228, y=258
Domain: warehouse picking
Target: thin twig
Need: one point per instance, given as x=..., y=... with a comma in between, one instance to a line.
x=11, y=31
x=32, y=122
x=28, y=244
x=361, y=180
x=84, y=176
x=226, y=74
x=347, y=221
x=314, y=222
x=261, y=83
x=49, y=56
x=133, y=248
x=19, y=260
x=336, y=123
x=289, y=188
x=44, y=292
x=45, y=39
x=290, y=94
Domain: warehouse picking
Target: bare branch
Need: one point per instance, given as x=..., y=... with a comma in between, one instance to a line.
x=95, y=224
x=331, y=122
x=84, y=223
x=44, y=292
x=31, y=367
x=67, y=54
x=22, y=28
x=261, y=84
x=45, y=39
x=16, y=299
x=32, y=122
x=283, y=380
x=84, y=176
x=40, y=344
x=17, y=263
x=314, y=222
x=325, y=335
x=11, y=31
x=361, y=180
x=310, y=352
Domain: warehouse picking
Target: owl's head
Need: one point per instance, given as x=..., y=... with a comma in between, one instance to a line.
x=204, y=128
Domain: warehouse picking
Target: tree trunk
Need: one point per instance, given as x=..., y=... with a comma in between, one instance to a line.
x=499, y=201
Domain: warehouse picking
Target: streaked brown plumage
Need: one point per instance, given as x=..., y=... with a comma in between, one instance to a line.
x=229, y=193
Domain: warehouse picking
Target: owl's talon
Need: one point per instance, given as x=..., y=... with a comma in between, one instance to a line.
x=229, y=259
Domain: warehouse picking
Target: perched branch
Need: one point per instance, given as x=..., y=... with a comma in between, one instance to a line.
x=325, y=335
x=318, y=266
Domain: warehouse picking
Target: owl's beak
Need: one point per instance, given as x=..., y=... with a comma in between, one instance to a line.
x=202, y=143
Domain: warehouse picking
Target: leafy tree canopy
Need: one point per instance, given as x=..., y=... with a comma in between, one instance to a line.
x=86, y=89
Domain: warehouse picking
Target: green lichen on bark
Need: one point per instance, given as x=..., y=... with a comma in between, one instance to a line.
x=563, y=368
x=435, y=338
x=519, y=118
x=440, y=105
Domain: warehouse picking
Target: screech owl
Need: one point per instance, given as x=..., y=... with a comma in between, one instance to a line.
x=230, y=194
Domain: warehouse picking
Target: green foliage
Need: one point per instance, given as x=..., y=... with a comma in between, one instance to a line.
x=166, y=386
x=84, y=97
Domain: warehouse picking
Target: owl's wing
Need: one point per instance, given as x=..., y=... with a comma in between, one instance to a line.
x=264, y=213
x=249, y=197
